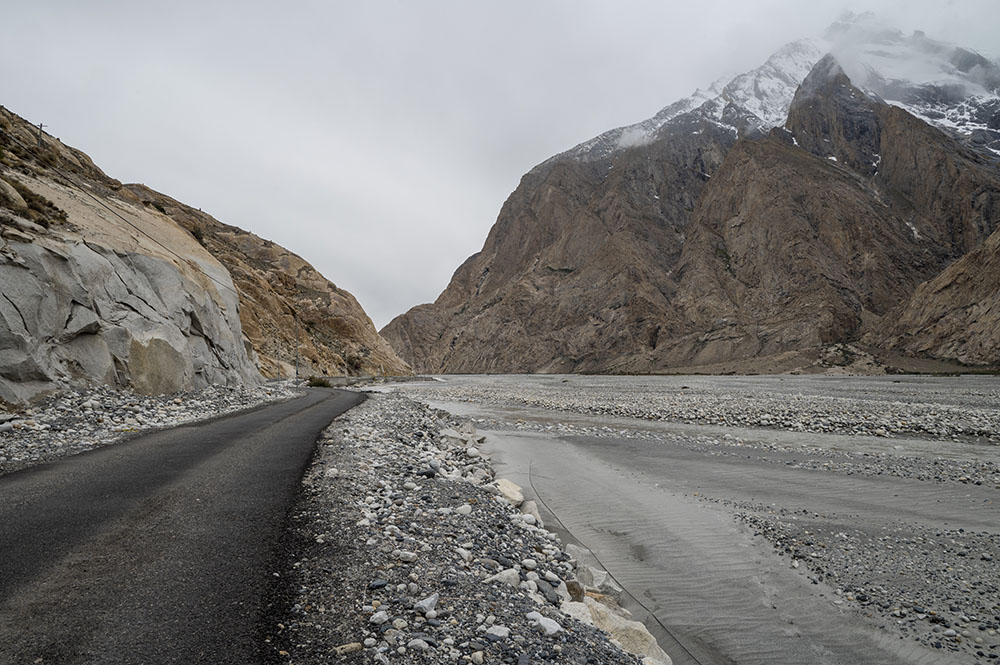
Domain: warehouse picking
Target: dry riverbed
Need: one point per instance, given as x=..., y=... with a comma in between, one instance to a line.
x=411, y=551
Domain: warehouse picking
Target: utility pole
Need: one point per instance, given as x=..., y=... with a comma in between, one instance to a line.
x=40, y=125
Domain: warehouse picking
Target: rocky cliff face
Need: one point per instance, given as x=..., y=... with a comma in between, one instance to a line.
x=113, y=284
x=704, y=238
x=283, y=298
x=85, y=297
x=955, y=316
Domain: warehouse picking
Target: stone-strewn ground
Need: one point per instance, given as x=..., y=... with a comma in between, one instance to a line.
x=73, y=421
x=936, y=585
x=411, y=552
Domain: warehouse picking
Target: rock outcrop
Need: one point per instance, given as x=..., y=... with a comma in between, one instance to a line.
x=86, y=297
x=955, y=316
x=712, y=243
x=283, y=298
x=106, y=283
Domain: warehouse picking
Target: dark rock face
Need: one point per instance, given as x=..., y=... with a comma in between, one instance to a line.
x=576, y=273
x=955, y=316
x=699, y=249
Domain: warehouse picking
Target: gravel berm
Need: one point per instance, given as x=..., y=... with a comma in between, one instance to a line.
x=409, y=550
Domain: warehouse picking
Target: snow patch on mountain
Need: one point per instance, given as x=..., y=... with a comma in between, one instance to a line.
x=953, y=88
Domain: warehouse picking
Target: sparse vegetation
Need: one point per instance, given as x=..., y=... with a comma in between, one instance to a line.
x=41, y=211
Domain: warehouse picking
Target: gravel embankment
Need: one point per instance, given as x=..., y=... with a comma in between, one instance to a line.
x=410, y=551
x=73, y=421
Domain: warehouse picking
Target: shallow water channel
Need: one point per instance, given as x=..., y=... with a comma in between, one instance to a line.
x=660, y=517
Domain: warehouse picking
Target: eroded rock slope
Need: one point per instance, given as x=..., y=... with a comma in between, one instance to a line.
x=708, y=237
x=119, y=285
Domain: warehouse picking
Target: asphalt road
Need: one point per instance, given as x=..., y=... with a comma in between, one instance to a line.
x=161, y=549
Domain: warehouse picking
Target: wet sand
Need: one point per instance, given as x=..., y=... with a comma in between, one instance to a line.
x=723, y=594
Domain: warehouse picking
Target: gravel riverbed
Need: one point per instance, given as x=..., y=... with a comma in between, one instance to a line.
x=965, y=408
x=73, y=421
x=937, y=585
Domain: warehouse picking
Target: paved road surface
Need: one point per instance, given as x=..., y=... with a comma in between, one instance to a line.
x=157, y=550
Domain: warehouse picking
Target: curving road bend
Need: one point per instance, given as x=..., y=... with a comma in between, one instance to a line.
x=157, y=550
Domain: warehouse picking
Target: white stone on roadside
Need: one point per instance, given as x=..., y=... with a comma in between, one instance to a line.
x=510, y=491
x=632, y=635
x=472, y=452
x=499, y=630
x=549, y=626
x=379, y=617
x=531, y=508
x=477, y=657
x=464, y=509
x=529, y=564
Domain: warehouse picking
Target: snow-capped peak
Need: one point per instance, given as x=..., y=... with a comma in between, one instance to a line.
x=949, y=86
x=952, y=87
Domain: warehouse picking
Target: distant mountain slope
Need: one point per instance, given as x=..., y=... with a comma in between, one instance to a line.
x=955, y=316
x=99, y=285
x=708, y=235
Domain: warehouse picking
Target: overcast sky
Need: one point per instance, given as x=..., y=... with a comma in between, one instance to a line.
x=378, y=139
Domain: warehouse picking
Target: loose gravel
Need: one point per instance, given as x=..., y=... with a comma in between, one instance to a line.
x=937, y=586
x=74, y=421
x=411, y=552
x=883, y=409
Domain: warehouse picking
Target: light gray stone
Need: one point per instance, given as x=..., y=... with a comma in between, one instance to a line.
x=508, y=576
x=510, y=491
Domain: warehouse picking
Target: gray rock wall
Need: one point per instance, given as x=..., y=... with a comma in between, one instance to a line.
x=80, y=312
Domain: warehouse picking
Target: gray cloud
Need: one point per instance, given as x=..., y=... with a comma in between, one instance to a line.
x=379, y=139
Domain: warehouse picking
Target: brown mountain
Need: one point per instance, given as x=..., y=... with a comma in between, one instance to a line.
x=700, y=250
x=955, y=316
x=281, y=297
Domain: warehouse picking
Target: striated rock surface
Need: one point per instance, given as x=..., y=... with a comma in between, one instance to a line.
x=87, y=298
x=283, y=298
x=708, y=237
x=98, y=285
x=803, y=238
x=955, y=316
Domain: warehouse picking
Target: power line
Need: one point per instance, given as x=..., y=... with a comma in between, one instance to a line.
x=119, y=215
